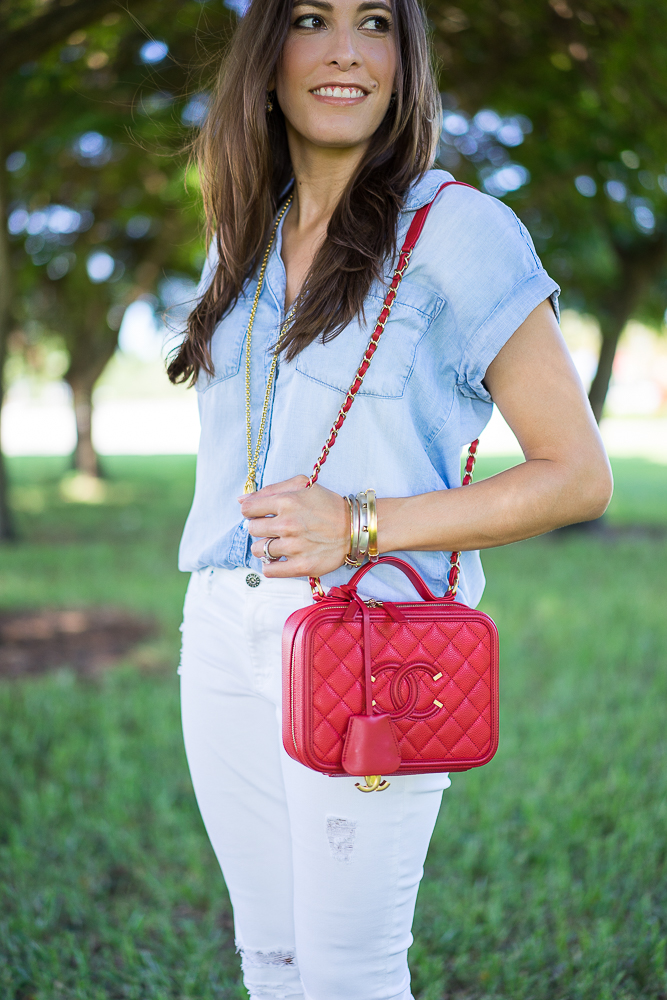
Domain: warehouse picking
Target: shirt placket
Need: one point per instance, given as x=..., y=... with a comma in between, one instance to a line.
x=270, y=316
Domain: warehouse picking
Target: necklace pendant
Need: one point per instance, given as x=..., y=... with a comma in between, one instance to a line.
x=250, y=485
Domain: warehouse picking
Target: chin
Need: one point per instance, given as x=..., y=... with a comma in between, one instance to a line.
x=337, y=137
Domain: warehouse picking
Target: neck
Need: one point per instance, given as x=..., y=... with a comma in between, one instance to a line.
x=321, y=174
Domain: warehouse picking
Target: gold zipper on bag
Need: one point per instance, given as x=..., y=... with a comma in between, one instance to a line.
x=292, y=699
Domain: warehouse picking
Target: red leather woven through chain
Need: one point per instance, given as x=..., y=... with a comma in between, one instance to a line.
x=373, y=687
x=403, y=261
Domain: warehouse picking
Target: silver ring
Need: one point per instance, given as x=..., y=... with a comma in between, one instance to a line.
x=267, y=557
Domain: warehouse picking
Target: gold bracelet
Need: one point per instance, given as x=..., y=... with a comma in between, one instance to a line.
x=363, y=532
x=353, y=558
x=349, y=507
x=368, y=545
x=371, y=503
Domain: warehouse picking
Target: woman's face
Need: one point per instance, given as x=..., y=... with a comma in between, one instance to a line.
x=335, y=75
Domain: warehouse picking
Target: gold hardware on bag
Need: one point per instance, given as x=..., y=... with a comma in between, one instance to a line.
x=374, y=783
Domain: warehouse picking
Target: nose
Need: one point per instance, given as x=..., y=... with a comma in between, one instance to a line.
x=343, y=53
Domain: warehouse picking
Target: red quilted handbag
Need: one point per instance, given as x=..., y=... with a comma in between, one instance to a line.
x=373, y=688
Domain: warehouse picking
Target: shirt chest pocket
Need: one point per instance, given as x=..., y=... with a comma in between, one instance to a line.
x=335, y=363
x=227, y=345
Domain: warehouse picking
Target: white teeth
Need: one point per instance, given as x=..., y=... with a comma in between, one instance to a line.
x=345, y=92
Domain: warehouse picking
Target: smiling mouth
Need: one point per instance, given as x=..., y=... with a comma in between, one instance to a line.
x=345, y=93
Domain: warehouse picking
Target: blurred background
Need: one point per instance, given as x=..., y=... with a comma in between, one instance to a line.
x=546, y=876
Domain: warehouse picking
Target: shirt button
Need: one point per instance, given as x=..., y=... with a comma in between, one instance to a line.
x=253, y=580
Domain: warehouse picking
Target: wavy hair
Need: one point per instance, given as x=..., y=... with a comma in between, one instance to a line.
x=244, y=166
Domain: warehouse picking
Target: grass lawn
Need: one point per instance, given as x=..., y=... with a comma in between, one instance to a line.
x=546, y=875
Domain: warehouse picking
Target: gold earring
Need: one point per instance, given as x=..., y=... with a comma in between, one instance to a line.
x=269, y=103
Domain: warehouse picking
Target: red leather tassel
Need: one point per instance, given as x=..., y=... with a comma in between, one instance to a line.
x=371, y=746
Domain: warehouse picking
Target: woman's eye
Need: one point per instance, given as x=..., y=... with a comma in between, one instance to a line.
x=309, y=21
x=376, y=23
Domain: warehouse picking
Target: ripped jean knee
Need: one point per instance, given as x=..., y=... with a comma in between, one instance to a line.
x=271, y=975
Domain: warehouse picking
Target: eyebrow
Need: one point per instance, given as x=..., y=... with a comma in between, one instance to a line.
x=324, y=5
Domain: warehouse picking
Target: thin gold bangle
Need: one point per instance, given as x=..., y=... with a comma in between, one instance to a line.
x=349, y=508
x=363, y=533
x=353, y=559
x=371, y=503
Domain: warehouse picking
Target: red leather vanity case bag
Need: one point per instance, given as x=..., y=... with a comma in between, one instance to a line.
x=424, y=672
x=374, y=688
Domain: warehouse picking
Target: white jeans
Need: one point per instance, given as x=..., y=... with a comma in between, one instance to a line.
x=323, y=878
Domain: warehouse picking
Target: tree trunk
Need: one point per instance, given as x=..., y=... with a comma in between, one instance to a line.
x=7, y=532
x=600, y=384
x=84, y=458
x=90, y=344
x=638, y=268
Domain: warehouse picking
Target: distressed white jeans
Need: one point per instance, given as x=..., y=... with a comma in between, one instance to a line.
x=322, y=877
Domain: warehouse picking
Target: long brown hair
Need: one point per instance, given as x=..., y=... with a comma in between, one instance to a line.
x=245, y=166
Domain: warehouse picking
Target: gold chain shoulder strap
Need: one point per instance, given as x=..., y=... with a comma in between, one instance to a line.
x=253, y=458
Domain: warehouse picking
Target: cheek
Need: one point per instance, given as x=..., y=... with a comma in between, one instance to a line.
x=381, y=63
x=297, y=61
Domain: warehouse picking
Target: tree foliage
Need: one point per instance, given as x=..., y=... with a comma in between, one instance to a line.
x=557, y=108
x=588, y=83
x=98, y=213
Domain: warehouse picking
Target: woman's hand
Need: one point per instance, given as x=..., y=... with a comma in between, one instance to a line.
x=311, y=527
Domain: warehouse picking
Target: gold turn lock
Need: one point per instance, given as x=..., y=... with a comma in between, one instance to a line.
x=374, y=783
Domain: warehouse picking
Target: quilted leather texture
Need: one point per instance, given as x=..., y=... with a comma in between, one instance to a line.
x=446, y=657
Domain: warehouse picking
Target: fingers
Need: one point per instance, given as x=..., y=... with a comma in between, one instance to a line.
x=288, y=549
x=284, y=570
x=282, y=519
x=277, y=547
x=287, y=486
x=261, y=505
x=310, y=528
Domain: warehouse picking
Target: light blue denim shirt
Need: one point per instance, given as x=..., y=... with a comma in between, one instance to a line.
x=473, y=278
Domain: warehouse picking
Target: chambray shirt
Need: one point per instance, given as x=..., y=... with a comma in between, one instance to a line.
x=473, y=278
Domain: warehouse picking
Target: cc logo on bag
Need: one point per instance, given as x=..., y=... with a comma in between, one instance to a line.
x=404, y=689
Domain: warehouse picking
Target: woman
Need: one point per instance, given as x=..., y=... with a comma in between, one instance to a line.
x=322, y=132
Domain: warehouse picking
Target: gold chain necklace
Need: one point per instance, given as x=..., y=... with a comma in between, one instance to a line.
x=253, y=459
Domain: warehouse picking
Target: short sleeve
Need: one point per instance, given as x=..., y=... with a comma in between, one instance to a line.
x=492, y=277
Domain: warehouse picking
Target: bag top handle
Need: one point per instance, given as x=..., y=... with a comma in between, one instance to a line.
x=405, y=567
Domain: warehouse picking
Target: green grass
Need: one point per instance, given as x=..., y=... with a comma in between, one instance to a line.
x=546, y=875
